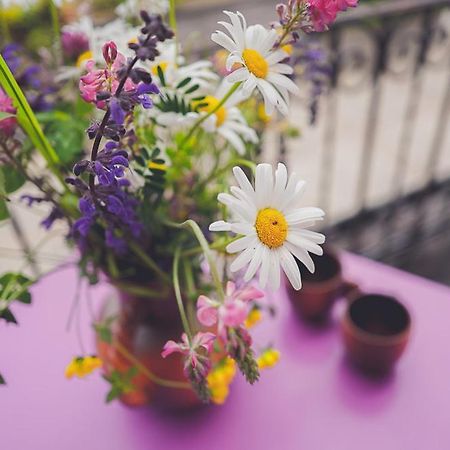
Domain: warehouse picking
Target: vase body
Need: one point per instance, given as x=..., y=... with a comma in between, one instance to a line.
x=142, y=326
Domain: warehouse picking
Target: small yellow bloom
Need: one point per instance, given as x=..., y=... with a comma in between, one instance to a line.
x=219, y=380
x=153, y=165
x=288, y=48
x=254, y=316
x=84, y=58
x=82, y=365
x=268, y=358
x=162, y=65
x=262, y=114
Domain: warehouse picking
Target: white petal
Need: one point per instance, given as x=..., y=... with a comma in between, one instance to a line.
x=254, y=264
x=284, y=81
x=220, y=38
x=263, y=185
x=280, y=183
x=317, y=238
x=282, y=68
x=243, y=259
x=243, y=181
x=242, y=244
x=304, y=214
x=274, y=270
x=300, y=241
x=276, y=56
x=265, y=266
x=290, y=268
x=220, y=225
x=302, y=255
x=240, y=74
x=243, y=228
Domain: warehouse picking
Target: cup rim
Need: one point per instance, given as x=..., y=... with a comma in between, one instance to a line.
x=372, y=338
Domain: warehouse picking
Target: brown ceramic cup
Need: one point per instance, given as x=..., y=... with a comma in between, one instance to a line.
x=376, y=330
x=320, y=289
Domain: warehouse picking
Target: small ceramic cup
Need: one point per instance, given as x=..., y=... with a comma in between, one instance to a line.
x=320, y=289
x=376, y=330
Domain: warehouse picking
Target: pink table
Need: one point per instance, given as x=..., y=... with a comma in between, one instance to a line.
x=312, y=400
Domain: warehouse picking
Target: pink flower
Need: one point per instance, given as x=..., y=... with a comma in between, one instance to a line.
x=195, y=351
x=106, y=79
x=7, y=126
x=324, y=12
x=232, y=312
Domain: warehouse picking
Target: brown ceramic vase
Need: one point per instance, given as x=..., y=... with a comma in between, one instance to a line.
x=142, y=326
x=376, y=330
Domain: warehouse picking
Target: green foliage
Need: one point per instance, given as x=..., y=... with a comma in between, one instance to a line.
x=65, y=134
x=2, y=380
x=13, y=287
x=28, y=120
x=152, y=168
x=5, y=115
x=121, y=383
x=103, y=329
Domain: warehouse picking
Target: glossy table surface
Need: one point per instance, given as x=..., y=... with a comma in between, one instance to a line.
x=312, y=400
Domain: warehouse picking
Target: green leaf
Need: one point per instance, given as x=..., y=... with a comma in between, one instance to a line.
x=7, y=315
x=183, y=83
x=27, y=118
x=12, y=179
x=161, y=75
x=4, y=214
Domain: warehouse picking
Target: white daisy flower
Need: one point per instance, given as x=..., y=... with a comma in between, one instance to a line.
x=274, y=227
x=258, y=63
x=173, y=67
x=228, y=120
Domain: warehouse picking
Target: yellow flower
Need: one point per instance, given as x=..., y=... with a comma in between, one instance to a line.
x=265, y=118
x=82, y=365
x=153, y=165
x=219, y=380
x=254, y=316
x=84, y=58
x=268, y=358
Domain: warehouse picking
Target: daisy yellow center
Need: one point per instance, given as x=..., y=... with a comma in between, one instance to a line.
x=271, y=227
x=162, y=65
x=209, y=103
x=255, y=63
x=83, y=58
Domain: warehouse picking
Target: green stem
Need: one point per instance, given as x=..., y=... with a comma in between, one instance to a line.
x=173, y=25
x=207, y=252
x=151, y=376
x=56, y=32
x=218, y=245
x=6, y=34
x=137, y=250
x=29, y=122
x=176, y=284
x=232, y=90
x=235, y=162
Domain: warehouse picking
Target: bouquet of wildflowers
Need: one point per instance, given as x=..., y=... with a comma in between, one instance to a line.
x=149, y=204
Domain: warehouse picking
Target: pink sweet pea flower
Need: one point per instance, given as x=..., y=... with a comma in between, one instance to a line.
x=195, y=351
x=232, y=312
x=7, y=126
x=324, y=12
x=106, y=79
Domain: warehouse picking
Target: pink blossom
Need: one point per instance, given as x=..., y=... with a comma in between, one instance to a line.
x=324, y=12
x=232, y=312
x=193, y=350
x=7, y=126
x=106, y=79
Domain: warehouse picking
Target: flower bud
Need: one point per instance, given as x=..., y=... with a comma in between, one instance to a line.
x=109, y=52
